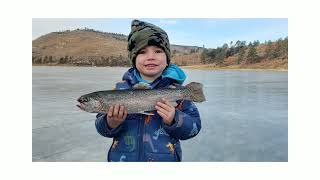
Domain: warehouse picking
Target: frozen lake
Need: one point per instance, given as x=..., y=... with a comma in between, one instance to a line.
x=245, y=117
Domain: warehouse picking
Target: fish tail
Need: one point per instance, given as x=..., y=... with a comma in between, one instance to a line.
x=196, y=92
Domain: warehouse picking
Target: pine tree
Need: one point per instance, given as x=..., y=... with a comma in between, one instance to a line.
x=241, y=55
x=252, y=56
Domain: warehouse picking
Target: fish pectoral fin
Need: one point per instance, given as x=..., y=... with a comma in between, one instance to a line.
x=142, y=86
x=146, y=113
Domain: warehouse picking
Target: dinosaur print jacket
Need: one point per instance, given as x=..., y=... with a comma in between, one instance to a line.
x=145, y=137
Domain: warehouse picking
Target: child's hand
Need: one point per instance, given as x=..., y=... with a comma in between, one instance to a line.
x=166, y=110
x=116, y=115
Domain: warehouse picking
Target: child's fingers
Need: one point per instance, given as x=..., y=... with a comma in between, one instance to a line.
x=121, y=111
x=164, y=111
x=159, y=108
x=116, y=110
x=110, y=111
x=125, y=114
x=162, y=114
x=164, y=106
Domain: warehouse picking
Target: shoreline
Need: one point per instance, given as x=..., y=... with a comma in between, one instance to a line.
x=196, y=67
x=233, y=69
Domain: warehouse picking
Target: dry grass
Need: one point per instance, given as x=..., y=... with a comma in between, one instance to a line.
x=274, y=65
x=193, y=58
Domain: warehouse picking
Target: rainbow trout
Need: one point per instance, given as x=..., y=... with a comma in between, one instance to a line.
x=139, y=100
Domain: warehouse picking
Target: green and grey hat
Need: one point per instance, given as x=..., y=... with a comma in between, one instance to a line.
x=143, y=34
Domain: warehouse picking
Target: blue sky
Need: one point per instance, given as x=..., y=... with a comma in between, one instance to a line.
x=194, y=32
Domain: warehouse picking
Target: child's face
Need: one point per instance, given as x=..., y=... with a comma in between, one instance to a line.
x=150, y=62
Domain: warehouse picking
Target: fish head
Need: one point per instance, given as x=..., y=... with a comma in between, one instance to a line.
x=90, y=103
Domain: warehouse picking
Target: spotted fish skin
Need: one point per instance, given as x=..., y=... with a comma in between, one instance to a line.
x=138, y=100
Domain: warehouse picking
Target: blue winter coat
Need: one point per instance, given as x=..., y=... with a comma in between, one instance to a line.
x=146, y=138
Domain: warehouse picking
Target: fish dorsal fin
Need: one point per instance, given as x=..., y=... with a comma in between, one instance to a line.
x=175, y=86
x=172, y=87
x=142, y=86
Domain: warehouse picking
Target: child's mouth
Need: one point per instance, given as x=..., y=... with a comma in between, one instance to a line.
x=151, y=65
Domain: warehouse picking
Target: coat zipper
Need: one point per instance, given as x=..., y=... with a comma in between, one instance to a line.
x=141, y=129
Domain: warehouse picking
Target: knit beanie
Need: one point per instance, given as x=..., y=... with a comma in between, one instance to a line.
x=143, y=34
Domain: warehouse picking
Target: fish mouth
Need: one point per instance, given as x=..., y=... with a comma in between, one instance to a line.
x=81, y=105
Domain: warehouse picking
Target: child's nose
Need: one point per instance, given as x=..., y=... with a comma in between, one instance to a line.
x=150, y=55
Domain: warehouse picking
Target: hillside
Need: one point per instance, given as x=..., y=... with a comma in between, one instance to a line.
x=79, y=47
x=87, y=47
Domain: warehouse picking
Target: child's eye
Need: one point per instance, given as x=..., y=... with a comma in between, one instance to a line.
x=142, y=52
x=159, y=51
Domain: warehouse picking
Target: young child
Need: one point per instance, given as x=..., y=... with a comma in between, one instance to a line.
x=140, y=137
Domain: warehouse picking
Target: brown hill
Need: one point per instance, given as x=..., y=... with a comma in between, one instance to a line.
x=79, y=47
x=88, y=47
